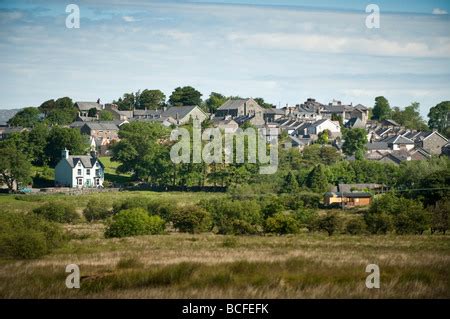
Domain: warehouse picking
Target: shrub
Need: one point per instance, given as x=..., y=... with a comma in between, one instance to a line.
x=27, y=236
x=440, y=216
x=162, y=208
x=329, y=223
x=281, y=224
x=57, y=212
x=271, y=205
x=134, y=222
x=389, y=212
x=191, y=219
x=356, y=226
x=96, y=210
x=234, y=217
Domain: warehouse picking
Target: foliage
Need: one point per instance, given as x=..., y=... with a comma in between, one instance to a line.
x=329, y=223
x=27, y=236
x=355, y=141
x=439, y=118
x=317, y=179
x=27, y=117
x=382, y=109
x=60, y=138
x=186, y=95
x=147, y=159
x=281, y=224
x=134, y=222
x=151, y=99
x=263, y=104
x=214, y=101
x=96, y=210
x=61, y=112
x=57, y=212
x=290, y=184
x=234, y=217
x=440, y=216
x=356, y=226
x=410, y=117
x=390, y=212
x=14, y=166
x=191, y=219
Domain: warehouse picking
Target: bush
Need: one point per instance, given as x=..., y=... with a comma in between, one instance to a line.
x=440, y=216
x=234, y=217
x=329, y=223
x=390, y=212
x=134, y=222
x=162, y=208
x=281, y=224
x=271, y=205
x=96, y=210
x=356, y=226
x=27, y=236
x=191, y=219
x=57, y=212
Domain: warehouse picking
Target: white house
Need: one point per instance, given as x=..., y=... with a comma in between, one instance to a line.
x=79, y=171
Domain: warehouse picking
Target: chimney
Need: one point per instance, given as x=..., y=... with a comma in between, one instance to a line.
x=93, y=153
x=65, y=153
x=245, y=108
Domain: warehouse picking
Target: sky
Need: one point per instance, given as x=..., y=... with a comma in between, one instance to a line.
x=284, y=51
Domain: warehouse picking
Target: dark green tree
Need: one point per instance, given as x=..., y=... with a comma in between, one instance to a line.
x=186, y=95
x=60, y=138
x=15, y=169
x=290, y=184
x=317, y=179
x=214, y=101
x=152, y=99
x=355, y=141
x=439, y=118
x=28, y=117
x=382, y=109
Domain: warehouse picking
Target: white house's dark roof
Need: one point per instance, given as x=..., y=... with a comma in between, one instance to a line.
x=86, y=160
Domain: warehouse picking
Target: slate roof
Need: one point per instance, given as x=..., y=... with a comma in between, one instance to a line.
x=182, y=111
x=398, y=139
x=105, y=125
x=355, y=122
x=377, y=146
x=86, y=106
x=233, y=104
x=86, y=160
x=349, y=194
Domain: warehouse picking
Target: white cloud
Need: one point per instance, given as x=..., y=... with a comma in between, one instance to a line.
x=439, y=11
x=343, y=44
x=129, y=19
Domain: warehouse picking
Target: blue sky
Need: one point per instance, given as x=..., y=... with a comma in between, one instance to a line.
x=284, y=51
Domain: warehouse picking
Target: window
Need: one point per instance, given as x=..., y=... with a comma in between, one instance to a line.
x=97, y=172
x=88, y=171
x=79, y=171
x=80, y=181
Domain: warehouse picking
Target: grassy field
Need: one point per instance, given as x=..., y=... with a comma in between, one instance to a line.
x=213, y=266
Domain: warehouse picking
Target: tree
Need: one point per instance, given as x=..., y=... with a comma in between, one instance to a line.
x=439, y=118
x=28, y=117
x=141, y=152
x=15, y=170
x=152, y=99
x=92, y=112
x=317, y=179
x=263, y=104
x=355, y=141
x=36, y=142
x=323, y=137
x=105, y=116
x=290, y=184
x=60, y=138
x=409, y=117
x=61, y=112
x=127, y=102
x=185, y=96
x=382, y=109
x=214, y=101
